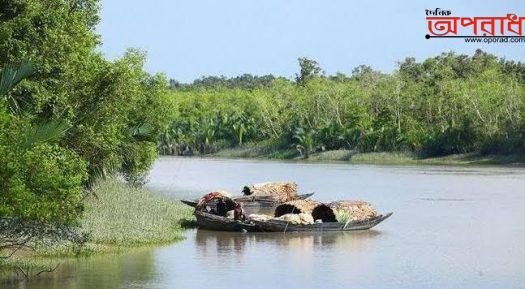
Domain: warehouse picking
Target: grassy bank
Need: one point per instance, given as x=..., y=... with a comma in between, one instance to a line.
x=123, y=216
x=117, y=218
x=398, y=158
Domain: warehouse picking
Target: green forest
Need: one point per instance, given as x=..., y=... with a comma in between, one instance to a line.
x=444, y=105
x=68, y=118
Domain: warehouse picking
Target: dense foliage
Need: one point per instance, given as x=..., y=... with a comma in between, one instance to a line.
x=443, y=105
x=245, y=81
x=67, y=115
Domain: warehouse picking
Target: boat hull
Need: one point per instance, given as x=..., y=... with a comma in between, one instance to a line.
x=213, y=222
x=217, y=223
x=283, y=226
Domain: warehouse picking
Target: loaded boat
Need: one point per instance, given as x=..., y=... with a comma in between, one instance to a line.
x=295, y=215
x=253, y=201
x=264, y=195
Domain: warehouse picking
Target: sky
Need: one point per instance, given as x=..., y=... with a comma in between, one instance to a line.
x=194, y=38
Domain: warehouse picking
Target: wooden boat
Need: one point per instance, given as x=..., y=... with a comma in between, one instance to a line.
x=217, y=223
x=189, y=203
x=283, y=226
x=252, y=201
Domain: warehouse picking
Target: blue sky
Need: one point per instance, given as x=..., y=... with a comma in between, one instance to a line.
x=193, y=38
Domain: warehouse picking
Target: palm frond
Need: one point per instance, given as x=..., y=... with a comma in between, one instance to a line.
x=10, y=76
x=141, y=132
x=50, y=131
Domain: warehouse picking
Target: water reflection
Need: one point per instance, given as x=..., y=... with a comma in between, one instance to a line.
x=102, y=272
x=453, y=227
x=210, y=242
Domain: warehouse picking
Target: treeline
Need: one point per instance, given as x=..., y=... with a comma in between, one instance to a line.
x=68, y=117
x=245, y=81
x=444, y=105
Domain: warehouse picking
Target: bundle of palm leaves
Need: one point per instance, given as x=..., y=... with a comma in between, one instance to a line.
x=343, y=216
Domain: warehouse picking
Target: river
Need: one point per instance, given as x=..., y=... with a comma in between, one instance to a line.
x=452, y=227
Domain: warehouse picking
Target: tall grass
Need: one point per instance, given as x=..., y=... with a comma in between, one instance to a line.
x=127, y=216
x=117, y=217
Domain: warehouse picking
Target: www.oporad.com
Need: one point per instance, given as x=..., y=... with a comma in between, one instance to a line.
x=495, y=39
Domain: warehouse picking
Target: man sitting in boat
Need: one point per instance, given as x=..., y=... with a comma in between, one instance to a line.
x=217, y=203
x=221, y=209
x=238, y=212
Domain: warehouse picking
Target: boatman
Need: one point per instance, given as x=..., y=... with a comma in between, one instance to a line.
x=238, y=212
x=221, y=208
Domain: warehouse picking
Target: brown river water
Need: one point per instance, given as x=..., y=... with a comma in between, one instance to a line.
x=453, y=227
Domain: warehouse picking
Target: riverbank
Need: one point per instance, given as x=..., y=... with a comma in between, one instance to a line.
x=394, y=158
x=117, y=218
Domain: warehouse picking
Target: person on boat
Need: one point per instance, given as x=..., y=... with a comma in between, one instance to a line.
x=222, y=209
x=238, y=212
x=208, y=197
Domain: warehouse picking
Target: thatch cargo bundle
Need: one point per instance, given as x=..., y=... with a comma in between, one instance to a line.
x=282, y=192
x=296, y=207
x=297, y=219
x=259, y=217
x=352, y=210
x=331, y=212
x=358, y=210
